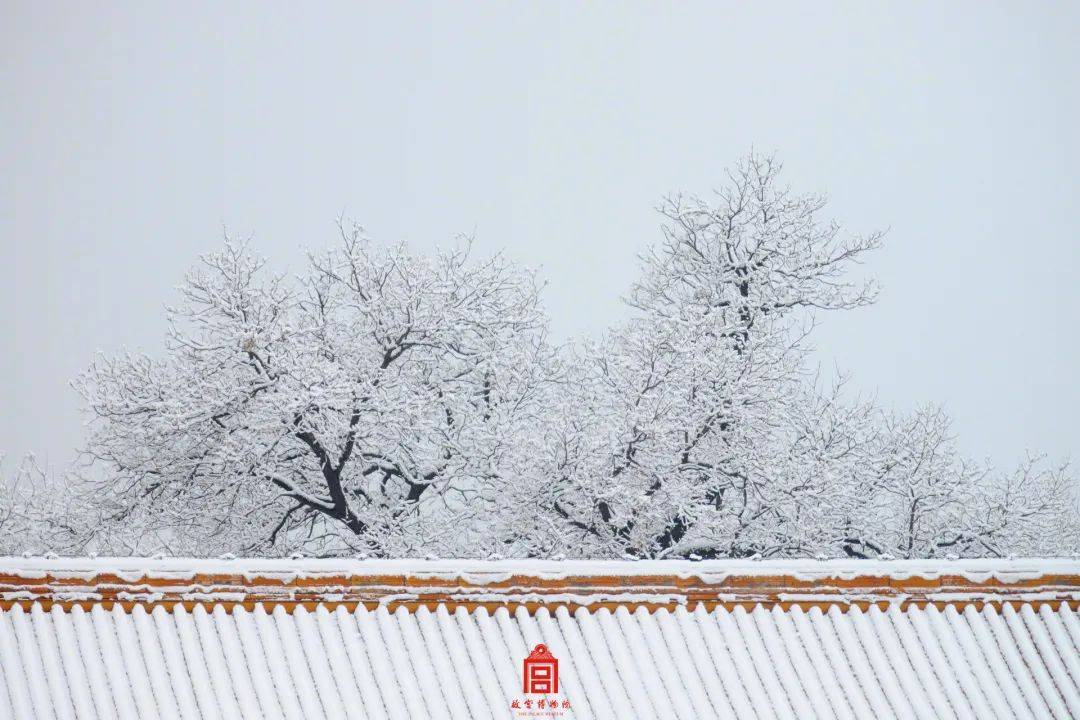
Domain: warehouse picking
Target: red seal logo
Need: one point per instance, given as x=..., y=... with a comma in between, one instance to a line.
x=541, y=672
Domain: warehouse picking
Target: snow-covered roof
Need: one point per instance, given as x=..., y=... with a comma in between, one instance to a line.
x=139, y=638
x=493, y=584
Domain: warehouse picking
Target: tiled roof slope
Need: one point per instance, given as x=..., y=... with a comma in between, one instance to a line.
x=176, y=639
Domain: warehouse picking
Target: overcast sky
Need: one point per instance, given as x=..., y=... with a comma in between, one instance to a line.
x=131, y=135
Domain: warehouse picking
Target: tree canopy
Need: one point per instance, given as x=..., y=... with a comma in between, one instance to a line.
x=385, y=403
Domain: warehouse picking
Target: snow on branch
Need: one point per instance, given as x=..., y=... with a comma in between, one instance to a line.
x=385, y=403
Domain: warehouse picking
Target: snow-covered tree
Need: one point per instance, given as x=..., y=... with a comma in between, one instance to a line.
x=39, y=512
x=912, y=494
x=369, y=406
x=390, y=404
x=690, y=402
x=696, y=429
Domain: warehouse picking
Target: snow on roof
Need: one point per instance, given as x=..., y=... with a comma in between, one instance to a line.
x=871, y=642
x=679, y=664
x=492, y=584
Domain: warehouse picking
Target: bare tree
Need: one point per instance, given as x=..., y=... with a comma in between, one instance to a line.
x=38, y=510
x=389, y=404
x=694, y=390
x=697, y=428
x=369, y=406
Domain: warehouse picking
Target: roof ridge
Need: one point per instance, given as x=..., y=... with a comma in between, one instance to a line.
x=475, y=584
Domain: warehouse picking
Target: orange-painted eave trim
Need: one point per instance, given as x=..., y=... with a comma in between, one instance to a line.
x=591, y=592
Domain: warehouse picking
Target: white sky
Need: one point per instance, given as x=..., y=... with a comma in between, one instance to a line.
x=132, y=134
